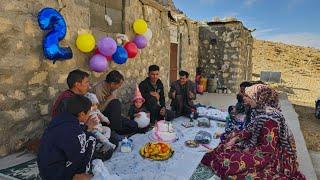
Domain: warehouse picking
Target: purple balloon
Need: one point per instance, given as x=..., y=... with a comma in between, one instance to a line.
x=107, y=46
x=140, y=41
x=98, y=63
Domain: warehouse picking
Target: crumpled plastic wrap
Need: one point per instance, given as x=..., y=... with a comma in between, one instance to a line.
x=203, y=137
x=100, y=171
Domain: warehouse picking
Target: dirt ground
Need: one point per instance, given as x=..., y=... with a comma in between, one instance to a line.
x=310, y=125
x=300, y=69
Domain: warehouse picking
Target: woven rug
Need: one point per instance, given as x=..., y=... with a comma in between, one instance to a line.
x=202, y=173
x=25, y=171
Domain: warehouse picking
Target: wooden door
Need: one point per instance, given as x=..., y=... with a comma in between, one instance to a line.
x=173, y=62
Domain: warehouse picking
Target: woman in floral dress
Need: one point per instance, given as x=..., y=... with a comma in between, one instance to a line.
x=265, y=149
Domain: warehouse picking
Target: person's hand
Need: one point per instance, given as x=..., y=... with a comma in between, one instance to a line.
x=92, y=122
x=103, y=119
x=137, y=115
x=82, y=176
x=191, y=95
x=231, y=142
x=163, y=111
x=155, y=94
x=110, y=97
x=231, y=135
x=173, y=94
x=217, y=134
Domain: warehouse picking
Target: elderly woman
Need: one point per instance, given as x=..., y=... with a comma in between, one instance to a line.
x=265, y=149
x=242, y=115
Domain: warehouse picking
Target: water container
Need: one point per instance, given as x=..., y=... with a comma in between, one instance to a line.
x=212, y=85
x=203, y=82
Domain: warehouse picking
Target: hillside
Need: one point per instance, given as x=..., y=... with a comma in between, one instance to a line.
x=300, y=74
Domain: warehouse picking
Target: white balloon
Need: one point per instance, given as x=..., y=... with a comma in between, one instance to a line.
x=143, y=121
x=148, y=34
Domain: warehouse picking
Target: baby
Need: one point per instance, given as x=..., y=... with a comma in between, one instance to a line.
x=102, y=133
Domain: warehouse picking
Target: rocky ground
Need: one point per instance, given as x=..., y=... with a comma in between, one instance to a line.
x=300, y=69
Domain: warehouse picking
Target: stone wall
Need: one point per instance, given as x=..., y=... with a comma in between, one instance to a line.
x=189, y=43
x=225, y=51
x=30, y=83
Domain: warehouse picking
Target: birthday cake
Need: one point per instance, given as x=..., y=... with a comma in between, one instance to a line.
x=163, y=132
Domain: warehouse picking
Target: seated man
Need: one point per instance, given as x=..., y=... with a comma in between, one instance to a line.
x=65, y=150
x=152, y=91
x=78, y=83
x=110, y=106
x=182, y=93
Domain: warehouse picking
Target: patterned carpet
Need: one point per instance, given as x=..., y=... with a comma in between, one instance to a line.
x=24, y=171
x=29, y=171
x=202, y=173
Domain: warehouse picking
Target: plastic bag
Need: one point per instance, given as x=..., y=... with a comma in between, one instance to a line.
x=100, y=171
x=203, y=137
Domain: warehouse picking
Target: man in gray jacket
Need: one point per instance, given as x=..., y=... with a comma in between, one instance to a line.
x=182, y=93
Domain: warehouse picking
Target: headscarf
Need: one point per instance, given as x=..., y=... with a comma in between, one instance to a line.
x=263, y=95
x=268, y=109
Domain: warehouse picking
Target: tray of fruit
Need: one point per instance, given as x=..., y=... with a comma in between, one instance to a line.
x=158, y=151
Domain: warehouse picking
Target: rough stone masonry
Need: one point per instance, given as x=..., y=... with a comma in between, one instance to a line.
x=30, y=83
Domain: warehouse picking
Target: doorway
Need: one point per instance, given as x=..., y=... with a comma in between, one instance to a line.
x=173, y=62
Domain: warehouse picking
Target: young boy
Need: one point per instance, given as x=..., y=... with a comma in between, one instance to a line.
x=66, y=149
x=138, y=106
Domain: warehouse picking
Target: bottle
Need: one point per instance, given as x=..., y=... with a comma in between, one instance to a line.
x=191, y=117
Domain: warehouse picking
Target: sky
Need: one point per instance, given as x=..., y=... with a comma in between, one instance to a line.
x=288, y=21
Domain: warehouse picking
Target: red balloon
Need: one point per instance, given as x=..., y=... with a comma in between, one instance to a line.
x=132, y=49
x=109, y=58
x=97, y=51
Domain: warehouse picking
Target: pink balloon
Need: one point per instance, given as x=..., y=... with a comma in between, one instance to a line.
x=107, y=46
x=140, y=41
x=98, y=63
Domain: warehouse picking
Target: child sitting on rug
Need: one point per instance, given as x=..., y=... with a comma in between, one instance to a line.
x=135, y=110
x=239, y=118
x=102, y=133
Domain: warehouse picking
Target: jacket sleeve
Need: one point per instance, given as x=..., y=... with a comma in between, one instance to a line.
x=172, y=89
x=62, y=106
x=193, y=90
x=162, y=99
x=144, y=91
x=131, y=112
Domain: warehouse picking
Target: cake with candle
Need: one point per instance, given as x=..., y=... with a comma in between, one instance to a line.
x=163, y=132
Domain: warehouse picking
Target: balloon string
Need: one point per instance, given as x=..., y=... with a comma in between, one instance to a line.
x=61, y=5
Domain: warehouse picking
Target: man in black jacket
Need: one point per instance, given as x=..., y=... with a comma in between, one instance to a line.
x=66, y=149
x=152, y=91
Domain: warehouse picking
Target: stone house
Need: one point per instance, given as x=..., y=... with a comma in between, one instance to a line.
x=30, y=82
x=225, y=52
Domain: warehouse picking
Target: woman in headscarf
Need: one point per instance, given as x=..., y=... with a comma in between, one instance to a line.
x=241, y=115
x=265, y=149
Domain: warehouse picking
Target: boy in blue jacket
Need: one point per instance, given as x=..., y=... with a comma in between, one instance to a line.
x=66, y=149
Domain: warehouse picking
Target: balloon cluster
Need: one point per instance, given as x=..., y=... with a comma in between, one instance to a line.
x=108, y=50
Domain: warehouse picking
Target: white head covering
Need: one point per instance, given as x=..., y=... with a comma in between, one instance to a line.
x=93, y=98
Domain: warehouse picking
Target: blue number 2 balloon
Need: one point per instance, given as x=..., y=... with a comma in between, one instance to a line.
x=51, y=19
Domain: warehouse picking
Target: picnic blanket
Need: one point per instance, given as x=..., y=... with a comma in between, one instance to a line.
x=180, y=166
